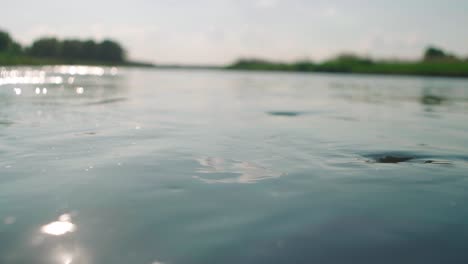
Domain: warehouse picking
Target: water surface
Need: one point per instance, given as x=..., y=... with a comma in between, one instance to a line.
x=107, y=165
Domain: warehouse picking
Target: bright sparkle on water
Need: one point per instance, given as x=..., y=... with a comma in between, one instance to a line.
x=114, y=71
x=60, y=227
x=67, y=259
x=51, y=75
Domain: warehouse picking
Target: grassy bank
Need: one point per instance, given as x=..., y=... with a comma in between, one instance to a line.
x=452, y=68
x=7, y=59
x=420, y=68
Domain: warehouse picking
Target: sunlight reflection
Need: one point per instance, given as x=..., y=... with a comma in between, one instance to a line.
x=69, y=254
x=80, y=70
x=51, y=74
x=66, y=259
x=60, y=227
x=114, y=71
x=29, y=77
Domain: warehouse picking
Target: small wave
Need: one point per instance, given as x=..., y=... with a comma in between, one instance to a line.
x=231, y=171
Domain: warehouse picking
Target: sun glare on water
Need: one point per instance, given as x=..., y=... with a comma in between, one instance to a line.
x=60, y=227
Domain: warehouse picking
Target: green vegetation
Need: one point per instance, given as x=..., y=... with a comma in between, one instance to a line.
x=435, y=62
x=436, y=54
x=50, y=51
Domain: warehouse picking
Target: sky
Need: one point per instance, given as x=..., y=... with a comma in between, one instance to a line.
x=221, y=31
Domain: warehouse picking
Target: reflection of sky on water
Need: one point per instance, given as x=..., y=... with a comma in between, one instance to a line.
x=378, y=90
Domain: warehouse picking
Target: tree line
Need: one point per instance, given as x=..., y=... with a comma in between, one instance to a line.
x=344, y=61
x=434, y=62
x=67, y=49
x=434, y=53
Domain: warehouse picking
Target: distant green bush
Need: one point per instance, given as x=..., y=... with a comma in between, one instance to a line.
x=436, y=54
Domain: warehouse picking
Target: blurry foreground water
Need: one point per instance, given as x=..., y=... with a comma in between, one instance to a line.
x=107, y=165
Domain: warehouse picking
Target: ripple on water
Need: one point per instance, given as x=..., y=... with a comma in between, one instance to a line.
x=108, y=101
x=220, y=170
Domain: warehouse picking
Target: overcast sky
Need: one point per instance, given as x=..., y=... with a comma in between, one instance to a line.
x=219, y=31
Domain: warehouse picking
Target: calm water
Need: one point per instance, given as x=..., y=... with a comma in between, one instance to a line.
x=106, y=165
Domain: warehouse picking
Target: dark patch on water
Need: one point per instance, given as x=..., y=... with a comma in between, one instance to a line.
x=402, y=157
x=432, y=100
x=108, y=101
x=6, y=123
x=87, y=133
x=392, y=159
x=285, y=113
x=441, y=162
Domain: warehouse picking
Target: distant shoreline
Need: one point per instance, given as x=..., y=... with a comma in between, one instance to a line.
x=449, y=70
x=435, y=62
x=52, y=51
